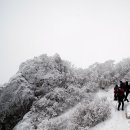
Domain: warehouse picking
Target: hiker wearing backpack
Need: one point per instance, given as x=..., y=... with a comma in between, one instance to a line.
x=116, y=92
x=127, y=91
x=121, y=96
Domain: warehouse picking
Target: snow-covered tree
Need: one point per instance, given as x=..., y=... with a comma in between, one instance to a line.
x=46, y=87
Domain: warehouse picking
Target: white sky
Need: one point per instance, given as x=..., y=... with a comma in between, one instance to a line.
x=81, y=31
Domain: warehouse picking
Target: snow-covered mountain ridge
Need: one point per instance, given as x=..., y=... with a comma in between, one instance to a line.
x=46, y=90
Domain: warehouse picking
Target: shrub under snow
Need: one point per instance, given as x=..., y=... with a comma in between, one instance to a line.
x=90, y=114
x=15, y=101
x=85, y=115
x=59, y=100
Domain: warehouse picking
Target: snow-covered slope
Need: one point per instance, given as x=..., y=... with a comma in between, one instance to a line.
x=45, y=89
x=118, y=120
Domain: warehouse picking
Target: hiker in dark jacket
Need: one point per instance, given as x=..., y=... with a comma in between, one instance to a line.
x=127, y=91
x=121, y=97
x=115, y=92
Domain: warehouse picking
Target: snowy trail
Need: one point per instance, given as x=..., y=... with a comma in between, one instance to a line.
x=118, y=120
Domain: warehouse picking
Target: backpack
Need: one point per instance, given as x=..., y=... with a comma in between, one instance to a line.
x=121, y=92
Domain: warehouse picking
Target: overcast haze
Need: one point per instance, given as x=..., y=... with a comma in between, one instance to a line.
x=81, y=31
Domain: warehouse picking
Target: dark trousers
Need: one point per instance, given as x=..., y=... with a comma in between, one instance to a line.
x=115, y=96
x=120, y=101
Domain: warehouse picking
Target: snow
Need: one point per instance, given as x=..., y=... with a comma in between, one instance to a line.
x=128, y=112
x=25, y=123
x=118, y=120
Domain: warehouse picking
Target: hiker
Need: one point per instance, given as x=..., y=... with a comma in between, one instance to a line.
x=127, y=91
x=115, y=92
x=121, y=97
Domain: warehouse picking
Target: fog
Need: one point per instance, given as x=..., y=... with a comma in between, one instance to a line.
x=80, y=31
